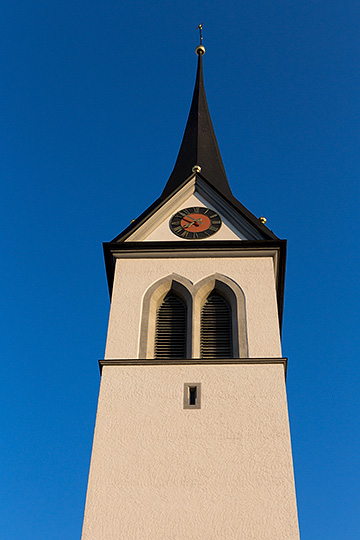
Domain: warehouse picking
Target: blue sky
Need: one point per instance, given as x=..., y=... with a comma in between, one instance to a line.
x=94, y=101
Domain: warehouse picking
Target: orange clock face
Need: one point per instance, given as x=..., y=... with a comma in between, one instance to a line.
x=195, y=223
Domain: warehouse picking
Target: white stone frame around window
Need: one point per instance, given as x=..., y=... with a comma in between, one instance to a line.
x=194, y=297
x=152, y=300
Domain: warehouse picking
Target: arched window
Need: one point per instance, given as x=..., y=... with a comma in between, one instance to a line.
x=182, y=320
x=216, y=328
x=170, y=329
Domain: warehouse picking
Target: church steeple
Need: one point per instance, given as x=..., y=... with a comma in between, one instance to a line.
x=192, y=383
x=199, y=145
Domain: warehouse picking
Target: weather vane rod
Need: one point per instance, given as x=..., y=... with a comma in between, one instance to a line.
x=200, y=30
x=200, y=49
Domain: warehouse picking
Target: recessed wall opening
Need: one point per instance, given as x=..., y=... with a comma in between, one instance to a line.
x=170, y=332
x=192, y=396
x=216, y=328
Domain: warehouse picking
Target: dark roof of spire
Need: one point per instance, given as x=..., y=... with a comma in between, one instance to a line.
x=199, y=145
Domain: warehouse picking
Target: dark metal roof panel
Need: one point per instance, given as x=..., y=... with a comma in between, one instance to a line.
x=199, y=145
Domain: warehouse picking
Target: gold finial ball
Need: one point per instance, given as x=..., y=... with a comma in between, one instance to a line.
x=196, y=168
x=262, y=220
x=200, y=50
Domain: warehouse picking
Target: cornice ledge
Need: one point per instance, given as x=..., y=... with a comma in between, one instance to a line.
x=190, y=362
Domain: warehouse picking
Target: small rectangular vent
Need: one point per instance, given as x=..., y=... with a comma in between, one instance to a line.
x=192, y=395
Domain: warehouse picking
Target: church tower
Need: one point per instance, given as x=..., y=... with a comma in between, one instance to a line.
x=192, y=437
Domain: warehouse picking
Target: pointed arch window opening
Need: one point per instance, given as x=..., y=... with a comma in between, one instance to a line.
x=216, y=340
x=171, y=327
x=193, y=298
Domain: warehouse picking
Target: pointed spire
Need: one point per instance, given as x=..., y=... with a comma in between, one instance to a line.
x=199, y=146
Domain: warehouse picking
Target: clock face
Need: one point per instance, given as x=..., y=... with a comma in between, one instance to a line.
x=195, y=223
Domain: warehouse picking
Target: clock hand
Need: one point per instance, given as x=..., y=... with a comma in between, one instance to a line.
x=193, y=219
x=194, y=222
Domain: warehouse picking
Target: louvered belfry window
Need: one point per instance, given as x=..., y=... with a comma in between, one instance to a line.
x=170, y=334
x=216, y=332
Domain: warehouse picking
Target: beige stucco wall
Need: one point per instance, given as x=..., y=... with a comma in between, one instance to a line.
x=223, y=472
x=255, y=276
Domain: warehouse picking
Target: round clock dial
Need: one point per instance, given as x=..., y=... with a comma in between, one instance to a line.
x=195, y=223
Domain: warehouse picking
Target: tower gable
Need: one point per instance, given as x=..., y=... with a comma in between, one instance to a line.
x=196, y=193
x=238, y=222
